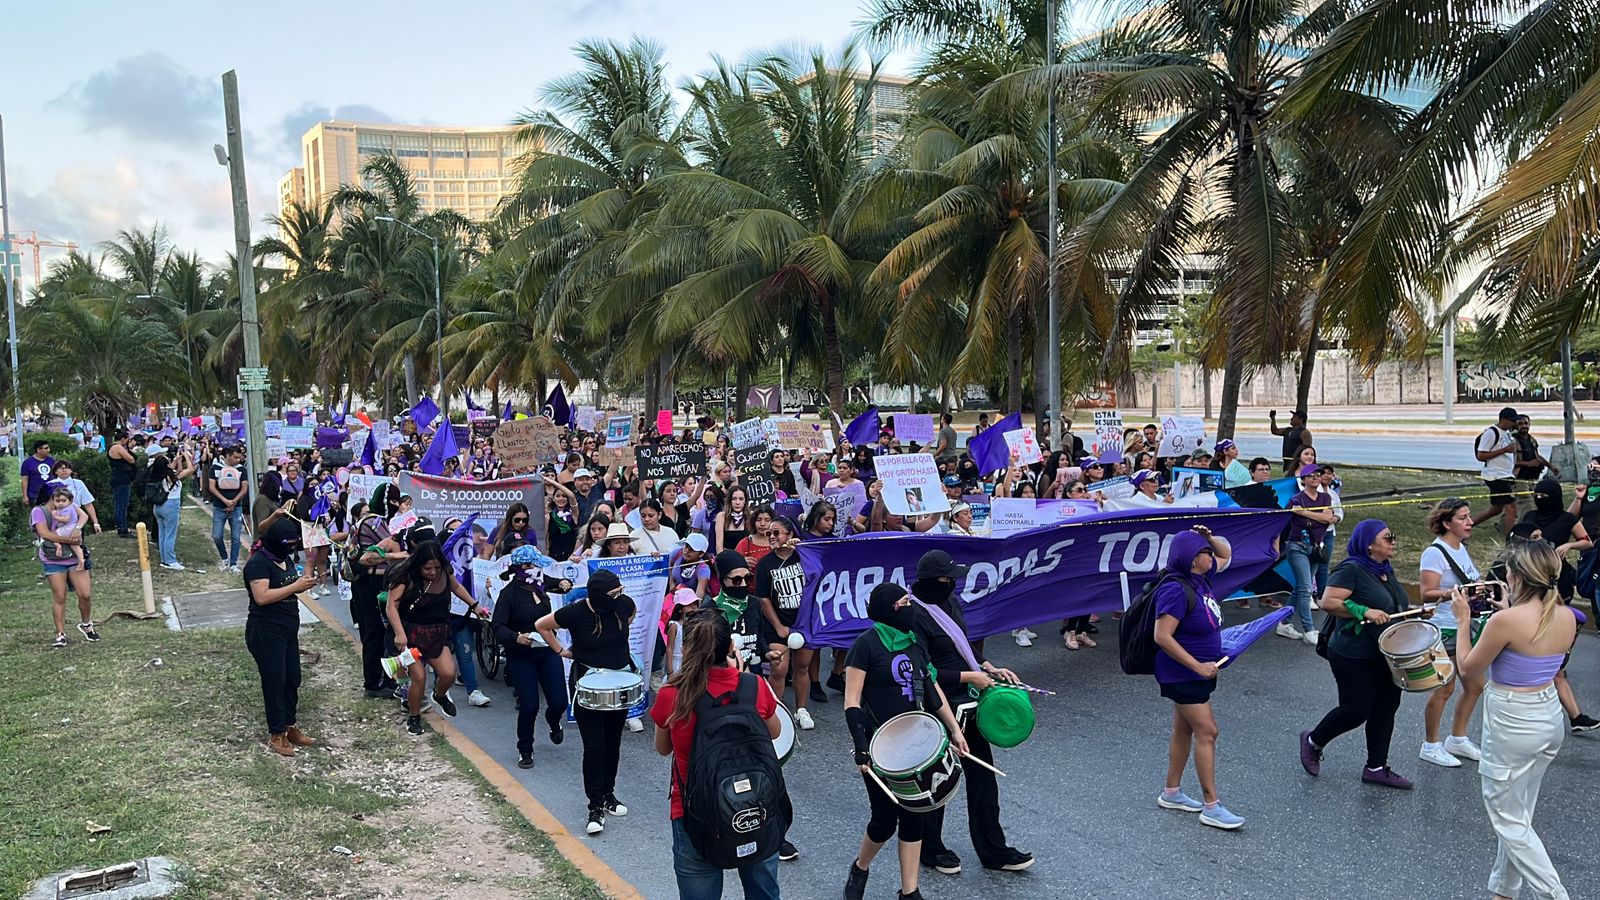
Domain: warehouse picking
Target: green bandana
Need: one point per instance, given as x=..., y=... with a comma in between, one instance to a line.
x=732, y=608
x=893, y=638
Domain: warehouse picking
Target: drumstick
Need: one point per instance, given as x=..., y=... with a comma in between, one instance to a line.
x=1031, y=689
x=1223, y=661
x=1410, y=612
x=980, y=762
x=879, y=782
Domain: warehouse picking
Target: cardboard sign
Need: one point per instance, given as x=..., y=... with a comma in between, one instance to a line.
x=299, y=436
x=526, y=443
x=664, y=422
x=276, y=448
x=619, y=431
x=587, y=415
x=1117, y=488
x=1181, y=435
x=755, y=474
x=662, y=461
x=911, y=485
x=274, y=428
x=849, y=501
x=1025, y=444
x=336, y=456
x=380, y=434
x=362, y=486
x=1107, y=435
x=807, y=437
x=909, y=427
x=745, y=434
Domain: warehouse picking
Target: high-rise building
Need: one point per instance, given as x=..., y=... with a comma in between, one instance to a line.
x=888, y=106
x=464, y=169
x=292, y=188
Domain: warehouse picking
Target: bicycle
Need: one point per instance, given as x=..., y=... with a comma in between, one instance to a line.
x=490, y=654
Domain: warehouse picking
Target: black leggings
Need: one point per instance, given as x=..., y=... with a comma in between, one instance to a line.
x=1367, y=694
x=602, y=750
x=277, y=653
x=529, y=674
x=1075, y=625
x=887, y=814
x=983, y=805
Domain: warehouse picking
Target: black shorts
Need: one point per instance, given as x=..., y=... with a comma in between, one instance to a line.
x=1187, y=693
x=428, y=640
x=1500, y=491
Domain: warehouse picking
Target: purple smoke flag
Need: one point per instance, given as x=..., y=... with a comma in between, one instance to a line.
x=1238, y=639
x=863, y=429
x=425, y=412
x=989, y=449
x=440, y=449
x=506, y=414
x=457, y=547
x=369, y=451
x=471, y=403
x=1037, y=575
x=555, y=406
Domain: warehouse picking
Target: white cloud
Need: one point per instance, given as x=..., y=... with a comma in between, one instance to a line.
x=149, y=97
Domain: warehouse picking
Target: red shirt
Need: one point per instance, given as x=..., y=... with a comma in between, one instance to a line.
x=722, y=680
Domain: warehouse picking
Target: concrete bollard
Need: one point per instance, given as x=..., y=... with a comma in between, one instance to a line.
x=143, y=534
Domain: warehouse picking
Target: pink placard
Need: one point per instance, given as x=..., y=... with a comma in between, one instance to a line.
x=664, y=421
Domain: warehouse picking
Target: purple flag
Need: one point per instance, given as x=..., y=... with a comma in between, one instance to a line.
x=471, y=403
x=440, y=449
x=457, y=547
x=989, y=449
x=1034, y=576
x=506, y=414
x=294, y=417
x=331, y=437
x=425, y=412
x=1237, y=639
x=864, y=428
x=369, y=451
x=555, y=406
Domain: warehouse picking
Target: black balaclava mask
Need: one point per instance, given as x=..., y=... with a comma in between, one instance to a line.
x=729, y=561
x=601, y=584
x=880, y=607
x=932, y=590
x=282, y=539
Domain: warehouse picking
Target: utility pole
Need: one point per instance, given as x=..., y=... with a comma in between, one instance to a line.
x=255, y=436
x=1569, y=411
x=11, y=294
x=1449, y=366
x=1053, y=341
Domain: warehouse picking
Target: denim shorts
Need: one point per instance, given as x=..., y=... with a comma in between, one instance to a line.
x=61, y=567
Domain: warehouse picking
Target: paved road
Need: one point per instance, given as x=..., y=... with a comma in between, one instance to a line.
x=1412, y=451
x=1080, y=795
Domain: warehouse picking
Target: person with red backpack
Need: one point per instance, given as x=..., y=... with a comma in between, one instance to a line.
x=717, y=723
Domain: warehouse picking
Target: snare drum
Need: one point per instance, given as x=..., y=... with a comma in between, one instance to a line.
x=1416, y=656
x=912, y=754
x=785, y=742
x=608, y=690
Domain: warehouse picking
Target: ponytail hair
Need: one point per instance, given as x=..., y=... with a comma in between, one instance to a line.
x=1538, y=569
x=707, y=640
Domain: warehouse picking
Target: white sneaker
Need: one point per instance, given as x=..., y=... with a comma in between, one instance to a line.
x=325, y=592
x=1436, y=754
x=176, y=567
x=1462, y=747
x=636, y=725
x=236, y=568
x=1030, y=633
x=1023, y=640
x=1310, y=637
x=1287, y=630
x=802, y=718
x=477, y=698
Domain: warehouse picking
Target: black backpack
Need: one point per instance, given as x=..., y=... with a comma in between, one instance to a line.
x=733, y=795
x=1497, y=434
x=1136, y=638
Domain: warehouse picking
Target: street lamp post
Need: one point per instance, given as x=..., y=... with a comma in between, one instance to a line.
x=438, y=314
x=11, y=297
x=1053, y=299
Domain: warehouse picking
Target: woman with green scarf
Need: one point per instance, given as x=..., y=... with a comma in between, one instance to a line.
x=887, y=673
x=742, y=615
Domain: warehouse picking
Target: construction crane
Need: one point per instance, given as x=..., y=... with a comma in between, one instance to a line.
x=32, y=240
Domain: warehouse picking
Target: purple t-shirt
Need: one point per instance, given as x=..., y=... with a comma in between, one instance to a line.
x=1301, y=528
x=38, y=472
x=1199, y=630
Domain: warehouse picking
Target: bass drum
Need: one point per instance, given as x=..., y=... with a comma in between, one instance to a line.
x=786, y=740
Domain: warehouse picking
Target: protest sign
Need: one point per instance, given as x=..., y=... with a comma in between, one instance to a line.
x=1025, y=444
x=909, y=427
x=486, y=585
x=849, y=500
x=1009, y=515
x=808, y=437
x=336, y=456
x=1187, y=481
x=441, y=499
x=381, y=438
x=1107, y=435
x=1182, y=435
x=276, y=448
x=644, y=578
x=981, y=510
x=274, y=428
x=362, y=486
x=525, y=443
x=745, y=434
x=297, y=437
x=587, y=416
x=1113, y=488
x=755, y=474
x=911, y=484
x=664, y=422
x=660, y=461
x=769, y=430
x=485, y=426
x=619, y=431
x=1069, y=569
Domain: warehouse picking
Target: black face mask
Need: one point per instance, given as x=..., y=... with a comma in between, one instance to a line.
x=736, y=591
x=933, y=590
x=881, y=608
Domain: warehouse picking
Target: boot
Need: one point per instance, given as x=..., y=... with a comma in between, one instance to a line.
x=299, y=738
x=279, y=743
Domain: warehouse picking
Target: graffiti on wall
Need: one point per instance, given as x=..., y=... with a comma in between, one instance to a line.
x=1500, y=382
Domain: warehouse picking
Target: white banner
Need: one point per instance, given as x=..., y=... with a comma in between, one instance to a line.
x=911, y=485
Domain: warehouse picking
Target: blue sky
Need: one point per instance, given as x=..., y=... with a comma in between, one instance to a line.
x=111, y=108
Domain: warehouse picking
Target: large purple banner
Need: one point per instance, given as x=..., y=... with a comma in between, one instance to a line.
x=1027, y=578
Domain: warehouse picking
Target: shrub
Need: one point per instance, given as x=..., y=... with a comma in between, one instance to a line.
x=13, y=515
x=60, y=444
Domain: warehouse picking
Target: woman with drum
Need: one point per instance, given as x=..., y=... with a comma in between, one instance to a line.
x=1446, y=565
x=598, y=627
x=1521, y=649
x=420, y=588
x=887, y=674
x=1362, y=594
x=1188, y=638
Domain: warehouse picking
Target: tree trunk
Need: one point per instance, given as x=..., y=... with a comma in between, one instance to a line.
x=536, y=403
x=650, y=397
x=1013, y=362
x=664, y=381
x=411, y=379
x=832, y=357
x=494, y=398
x=1308, y=362
x=1041, y=362
x=1205, y=386
x=1232, y=375
x=944, y=397
x=741, y=392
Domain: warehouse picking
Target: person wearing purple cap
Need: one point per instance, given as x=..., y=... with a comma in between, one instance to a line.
x=1303, y=546
x=1234, y=473
x=1146, y=483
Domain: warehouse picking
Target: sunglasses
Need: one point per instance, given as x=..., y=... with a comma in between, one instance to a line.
x=1389, y=537
x=519, y=520
x=774, y=533
x=736, y=580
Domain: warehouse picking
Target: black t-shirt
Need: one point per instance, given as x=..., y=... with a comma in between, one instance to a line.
x=286, y=612
x=563, y=532
x=894, y=679
x=1526, y=467
x=781, y=581
x=1590, y=515
x=221, y=476
x=1559, y=531
x=418, y=607
x=598, y=641
x=1372, y=592
x=1291, y=440
x=515, y=612
x=947, y=661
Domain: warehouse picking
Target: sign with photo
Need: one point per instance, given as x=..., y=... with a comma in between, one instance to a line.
x=1025, y=444
x=661, y=461
x=911, y=485
x=1187, y=481
x=619, y=431
x=587, y=417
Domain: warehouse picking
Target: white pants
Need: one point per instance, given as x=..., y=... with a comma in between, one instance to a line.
x=1521, y=734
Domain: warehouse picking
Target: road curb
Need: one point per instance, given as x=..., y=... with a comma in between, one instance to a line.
x=568, y=844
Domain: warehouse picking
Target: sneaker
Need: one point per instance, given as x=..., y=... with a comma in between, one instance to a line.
x=1287, y=630
x=1309, y=637
x=88, y=632
x=446, y=705
x=1032, y=635
x=477, y=698
x=1022, y=638
x=1087, y=641
x=855, y=884
x=400, y=692
x=818, y=695
x=557, y=734
x=60, y=641
x=802, y=718
x=377, y=694
x=1310, y=755
x=635, y=725
x=836, y=683
x=1385, y=777
x=1180, y=801
x=1581, y=722
x=787, y=851
x=1462, y=747
x=1069, y=639
x=597, y=821
x=176, y=567
x=235, y=568
x=414, y=724
x=914, y=895
x=1217, y=816
x=614, y=807
x=1012, y=860
x=1436, y=754
x=945, y=862
x=526, y=762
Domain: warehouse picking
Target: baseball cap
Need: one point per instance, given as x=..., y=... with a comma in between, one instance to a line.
x=1143, y=475
x=1308, y=469
x=582, y=473
x=938, y=564
x=952, y=481
x=1225, y=445
x=697, y=542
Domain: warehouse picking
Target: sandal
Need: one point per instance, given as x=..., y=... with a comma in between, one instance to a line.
x=1270, y=603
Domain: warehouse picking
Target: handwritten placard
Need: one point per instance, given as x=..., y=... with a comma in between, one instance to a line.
x=745, y=434
x=1182, y=435
x=913, y=427
x=755, y=474
x=911, y=484
x=1107, y=434
x=1025, y=444
x=660, y=461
